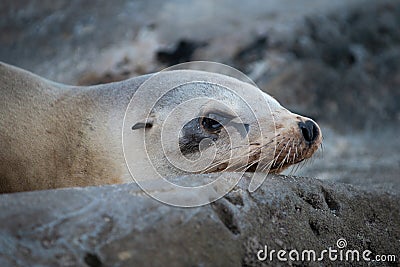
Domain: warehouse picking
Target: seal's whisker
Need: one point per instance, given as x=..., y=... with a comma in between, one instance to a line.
x=254, y=144
x=244, y=166
x=322, y=150
x=303, y=164
x=277, y=157
x=240, y=157
x=260, y=159
x=299, y=166
x=283, y=161
x=295, y=155
x=289, y=151
x=266, y=166
x=287, y=157
x=227, y=161
x=293, y=169
x=241, y=146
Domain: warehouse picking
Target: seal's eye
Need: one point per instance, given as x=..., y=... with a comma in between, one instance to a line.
x=211, y=125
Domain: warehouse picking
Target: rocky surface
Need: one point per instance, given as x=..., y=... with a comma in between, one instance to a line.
x=121, y=226
x=81, y=42
x=336, y=61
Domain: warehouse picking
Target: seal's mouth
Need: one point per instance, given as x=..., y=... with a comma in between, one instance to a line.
x=277, y=154
x=288, y=152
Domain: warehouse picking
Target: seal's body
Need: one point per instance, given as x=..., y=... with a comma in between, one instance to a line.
x=53, y=135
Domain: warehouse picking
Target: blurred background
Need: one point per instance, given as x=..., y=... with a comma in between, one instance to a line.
x=337, y=62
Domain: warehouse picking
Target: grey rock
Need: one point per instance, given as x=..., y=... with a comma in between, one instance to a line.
x=121, y=226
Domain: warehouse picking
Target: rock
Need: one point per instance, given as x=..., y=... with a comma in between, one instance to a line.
x=121, y=226
x=346, y=70
x=70, y=40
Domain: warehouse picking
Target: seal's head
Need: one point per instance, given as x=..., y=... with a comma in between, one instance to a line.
x=209, y=122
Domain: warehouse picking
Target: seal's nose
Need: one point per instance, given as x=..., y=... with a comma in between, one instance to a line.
x=309, y=130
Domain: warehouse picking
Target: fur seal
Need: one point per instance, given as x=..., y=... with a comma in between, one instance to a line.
x=54, y=135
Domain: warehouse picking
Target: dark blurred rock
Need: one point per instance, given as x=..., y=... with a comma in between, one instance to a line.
x=332, y=37
x=121, y=226
x=245, y=57
x=347, y=69
x=346, y=101
x=181, y=52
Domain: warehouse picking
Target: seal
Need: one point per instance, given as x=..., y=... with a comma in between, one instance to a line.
x=54, y=135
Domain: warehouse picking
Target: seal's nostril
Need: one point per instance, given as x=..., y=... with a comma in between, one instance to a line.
x=315, y=130
x=309, y=130
x=307, y=134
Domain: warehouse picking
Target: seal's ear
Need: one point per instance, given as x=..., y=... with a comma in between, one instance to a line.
x=141, y=125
